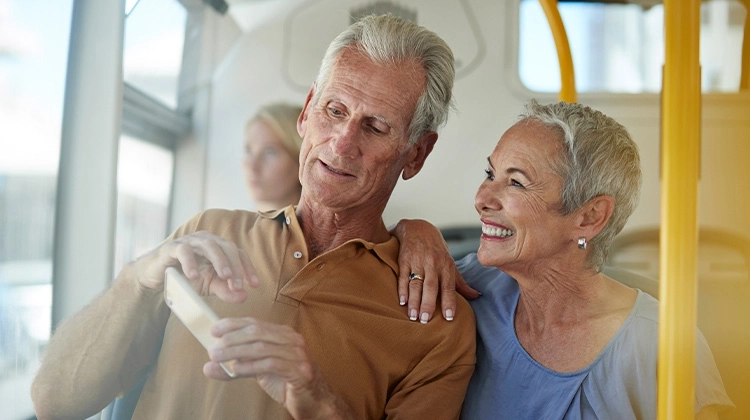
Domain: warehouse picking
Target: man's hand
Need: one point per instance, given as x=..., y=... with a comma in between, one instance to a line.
x=215, y=266
x=425, y=254
x=277, y=357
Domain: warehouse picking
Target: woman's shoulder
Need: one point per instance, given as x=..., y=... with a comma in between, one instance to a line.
x=646, y=309
x=639, y=334
x=634, y=347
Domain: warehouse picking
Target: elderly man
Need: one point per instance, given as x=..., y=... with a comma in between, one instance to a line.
x=308, y=294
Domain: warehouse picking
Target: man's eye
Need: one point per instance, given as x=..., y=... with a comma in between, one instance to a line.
x=489, y=175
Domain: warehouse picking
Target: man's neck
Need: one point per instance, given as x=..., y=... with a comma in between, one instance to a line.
x=325, y=230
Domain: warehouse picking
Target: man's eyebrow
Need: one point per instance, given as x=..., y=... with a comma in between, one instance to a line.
x=383, y=120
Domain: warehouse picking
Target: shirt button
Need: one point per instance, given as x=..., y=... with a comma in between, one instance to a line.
x=288, y=220
x=297, y=255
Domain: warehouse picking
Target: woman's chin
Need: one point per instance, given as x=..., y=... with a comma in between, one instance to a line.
x=486, y=257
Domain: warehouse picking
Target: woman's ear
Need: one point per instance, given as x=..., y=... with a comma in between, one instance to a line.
x=595, y=214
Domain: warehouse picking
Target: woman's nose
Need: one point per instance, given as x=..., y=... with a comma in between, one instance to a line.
x=486, y=198
x=252, y=161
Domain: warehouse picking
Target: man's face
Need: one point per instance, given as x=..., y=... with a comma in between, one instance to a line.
x=356, y=136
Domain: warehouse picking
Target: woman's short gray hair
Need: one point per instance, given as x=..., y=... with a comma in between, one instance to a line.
x=390, y=39
x=600, y=159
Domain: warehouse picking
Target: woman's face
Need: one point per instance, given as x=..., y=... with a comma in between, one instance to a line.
x=519, y=201
x=271, y=173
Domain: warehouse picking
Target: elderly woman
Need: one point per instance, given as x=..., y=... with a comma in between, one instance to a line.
x=557, y=338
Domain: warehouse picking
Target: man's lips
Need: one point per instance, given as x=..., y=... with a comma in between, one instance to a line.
x=334, y=170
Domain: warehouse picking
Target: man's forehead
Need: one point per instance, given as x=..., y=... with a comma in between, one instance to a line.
x=392, y=88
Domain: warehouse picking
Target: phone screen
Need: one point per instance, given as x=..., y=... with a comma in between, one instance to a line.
x=191, y=309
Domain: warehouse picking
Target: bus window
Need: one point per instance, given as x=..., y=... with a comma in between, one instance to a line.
x=33, y=56
x=152, y=56
x=144, y=187
x=620, y=47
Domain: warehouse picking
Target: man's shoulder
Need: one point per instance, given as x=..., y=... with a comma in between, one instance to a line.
x=464, y=312
x=217, y=220
x=458, y=335
x=224, y=215
x=461, y=329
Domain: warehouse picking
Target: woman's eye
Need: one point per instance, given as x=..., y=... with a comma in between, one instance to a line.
x=269, y=152
x=489, y=175
x=515, y=183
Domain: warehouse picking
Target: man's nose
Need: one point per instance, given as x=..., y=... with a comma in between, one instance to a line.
x=345, y=139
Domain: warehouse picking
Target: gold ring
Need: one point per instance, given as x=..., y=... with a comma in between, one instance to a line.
x=414, y=276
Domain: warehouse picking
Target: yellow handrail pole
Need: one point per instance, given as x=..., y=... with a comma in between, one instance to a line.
x=567, y=74
x=680, y=161
x=745, y=74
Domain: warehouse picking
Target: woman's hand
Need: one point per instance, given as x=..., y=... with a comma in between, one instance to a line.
x=427, y=269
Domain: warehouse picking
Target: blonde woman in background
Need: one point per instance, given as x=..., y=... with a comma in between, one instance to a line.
x=271, y=161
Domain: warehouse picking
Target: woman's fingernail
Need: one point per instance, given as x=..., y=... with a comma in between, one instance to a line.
x=402, y=300
x=413, y=314
x=449, y=314
x=425, y=318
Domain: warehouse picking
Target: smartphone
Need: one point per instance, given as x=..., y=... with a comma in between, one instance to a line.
x=190, y=308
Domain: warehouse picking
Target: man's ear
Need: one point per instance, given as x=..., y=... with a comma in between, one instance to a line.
x=302, y=119
x=421, y=150
x=594, y=215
